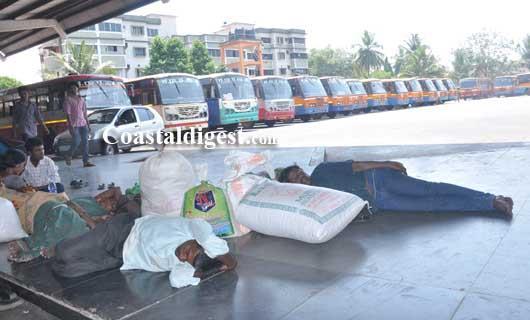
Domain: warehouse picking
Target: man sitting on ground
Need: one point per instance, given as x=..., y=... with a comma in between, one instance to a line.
x=41, y=172
x=187, y=248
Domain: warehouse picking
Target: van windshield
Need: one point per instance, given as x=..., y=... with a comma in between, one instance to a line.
x=468, y=83
x=180, y=89
x=504, y=81
x=377, y=87
x=356, y=87
x=234, y=87
x=312, y=87
x=338, y=87
x=400, y=87
x=276, y=89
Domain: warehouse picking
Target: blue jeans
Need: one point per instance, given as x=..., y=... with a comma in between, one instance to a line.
x=394, y=191
x=80, y=137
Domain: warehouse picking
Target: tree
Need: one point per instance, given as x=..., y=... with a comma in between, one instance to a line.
x=485, y=55
x=77, y=59
x=8, y=82
x=421, y=63
x=368, y=56
x=415, y=59
x=201, y=61
x=330, y=62
x=462, y=64
x=525, y=51
x=387, y=68
x=168, y=55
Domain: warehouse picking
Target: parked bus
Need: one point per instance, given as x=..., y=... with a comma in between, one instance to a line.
x=231, y=100
x=310, y=98
x=340, y=97
x=504, y=86
x=523, y=84
x=415, y=92
x=443, y=93
x=377, y=96
x=451, y=89
x=177, y=97
x=397, y=93
x=99, y=91
x=360, y=100
x=475, y=88
x=429, y=92
x=275, y=99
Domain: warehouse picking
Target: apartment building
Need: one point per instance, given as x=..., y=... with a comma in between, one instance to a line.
x=123, y=41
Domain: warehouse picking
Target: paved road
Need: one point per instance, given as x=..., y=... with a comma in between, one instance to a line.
x=495, y=120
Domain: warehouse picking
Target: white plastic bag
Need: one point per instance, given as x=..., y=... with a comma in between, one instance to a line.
x=10, y=227
x=296, y=211
x=164, y=179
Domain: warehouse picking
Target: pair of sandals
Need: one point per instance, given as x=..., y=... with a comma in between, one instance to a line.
x=110, y=186
x=78, y=184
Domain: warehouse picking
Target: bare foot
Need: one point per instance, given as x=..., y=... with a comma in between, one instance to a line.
x=503, y=206
x=14, y=249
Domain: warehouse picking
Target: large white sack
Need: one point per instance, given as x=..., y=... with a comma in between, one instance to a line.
x=296, y=211
x=238, y=182
x=10, y=227
x=164, y=179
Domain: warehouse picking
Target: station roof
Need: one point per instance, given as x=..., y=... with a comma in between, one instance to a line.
x=27, y=23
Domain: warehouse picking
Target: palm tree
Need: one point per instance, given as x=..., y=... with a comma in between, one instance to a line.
x=413, y=43
x=368, y=56
x=421, y=63
x=79, y=59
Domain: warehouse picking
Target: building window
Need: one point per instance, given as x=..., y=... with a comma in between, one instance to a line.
x=214, y=52
x=298, y=55
x=283, y=71
x=152, y=32
x=109, y=27
x=137, y=30
x=139, y=52
x=89, y=28
x=110, y=49
x=266, y=40
x=266, y=56
x=232, y=53
x=281, y=55
x=299, y=40
x=279, y=40
x=268, y=72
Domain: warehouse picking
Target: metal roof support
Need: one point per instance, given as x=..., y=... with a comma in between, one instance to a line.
x=18, y=25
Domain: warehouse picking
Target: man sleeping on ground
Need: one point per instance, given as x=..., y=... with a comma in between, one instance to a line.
x=187, y=248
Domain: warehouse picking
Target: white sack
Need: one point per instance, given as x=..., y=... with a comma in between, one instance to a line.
x=10, y=227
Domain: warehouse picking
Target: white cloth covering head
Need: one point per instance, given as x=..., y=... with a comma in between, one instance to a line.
x=153, y=240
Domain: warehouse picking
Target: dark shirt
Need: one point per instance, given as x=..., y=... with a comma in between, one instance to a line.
x=340, y=176
x=25, y=117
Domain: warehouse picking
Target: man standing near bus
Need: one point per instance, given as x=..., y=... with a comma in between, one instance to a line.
x=26, y=114
x=78, y=125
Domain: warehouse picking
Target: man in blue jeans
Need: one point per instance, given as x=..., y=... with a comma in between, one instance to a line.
x=388, y=187
x=78, y=125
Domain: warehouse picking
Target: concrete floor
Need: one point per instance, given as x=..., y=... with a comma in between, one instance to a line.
x=395, y=266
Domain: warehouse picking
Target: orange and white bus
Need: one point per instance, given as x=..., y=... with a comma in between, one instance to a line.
x=177, y=97
x=99, y=91
x=310, y=97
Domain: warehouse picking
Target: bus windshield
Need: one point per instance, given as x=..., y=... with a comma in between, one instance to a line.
x=524, y=78
x=415, y=85
x=276, y=89
x=180, y=89
x=440, y=85
x=377, y=87
x=104, y=94
x=468, y=83
x=312, y=87
x=356, y=87
x=504, y=81
x=235, y=88
x=400, y=87
x=430, y=85
x=450, y=84
x=338, y=87
x=102, y=116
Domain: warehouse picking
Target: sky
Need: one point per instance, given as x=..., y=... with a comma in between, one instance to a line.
x=443, y=25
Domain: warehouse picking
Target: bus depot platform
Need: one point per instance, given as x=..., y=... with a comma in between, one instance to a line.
x=393, y=266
